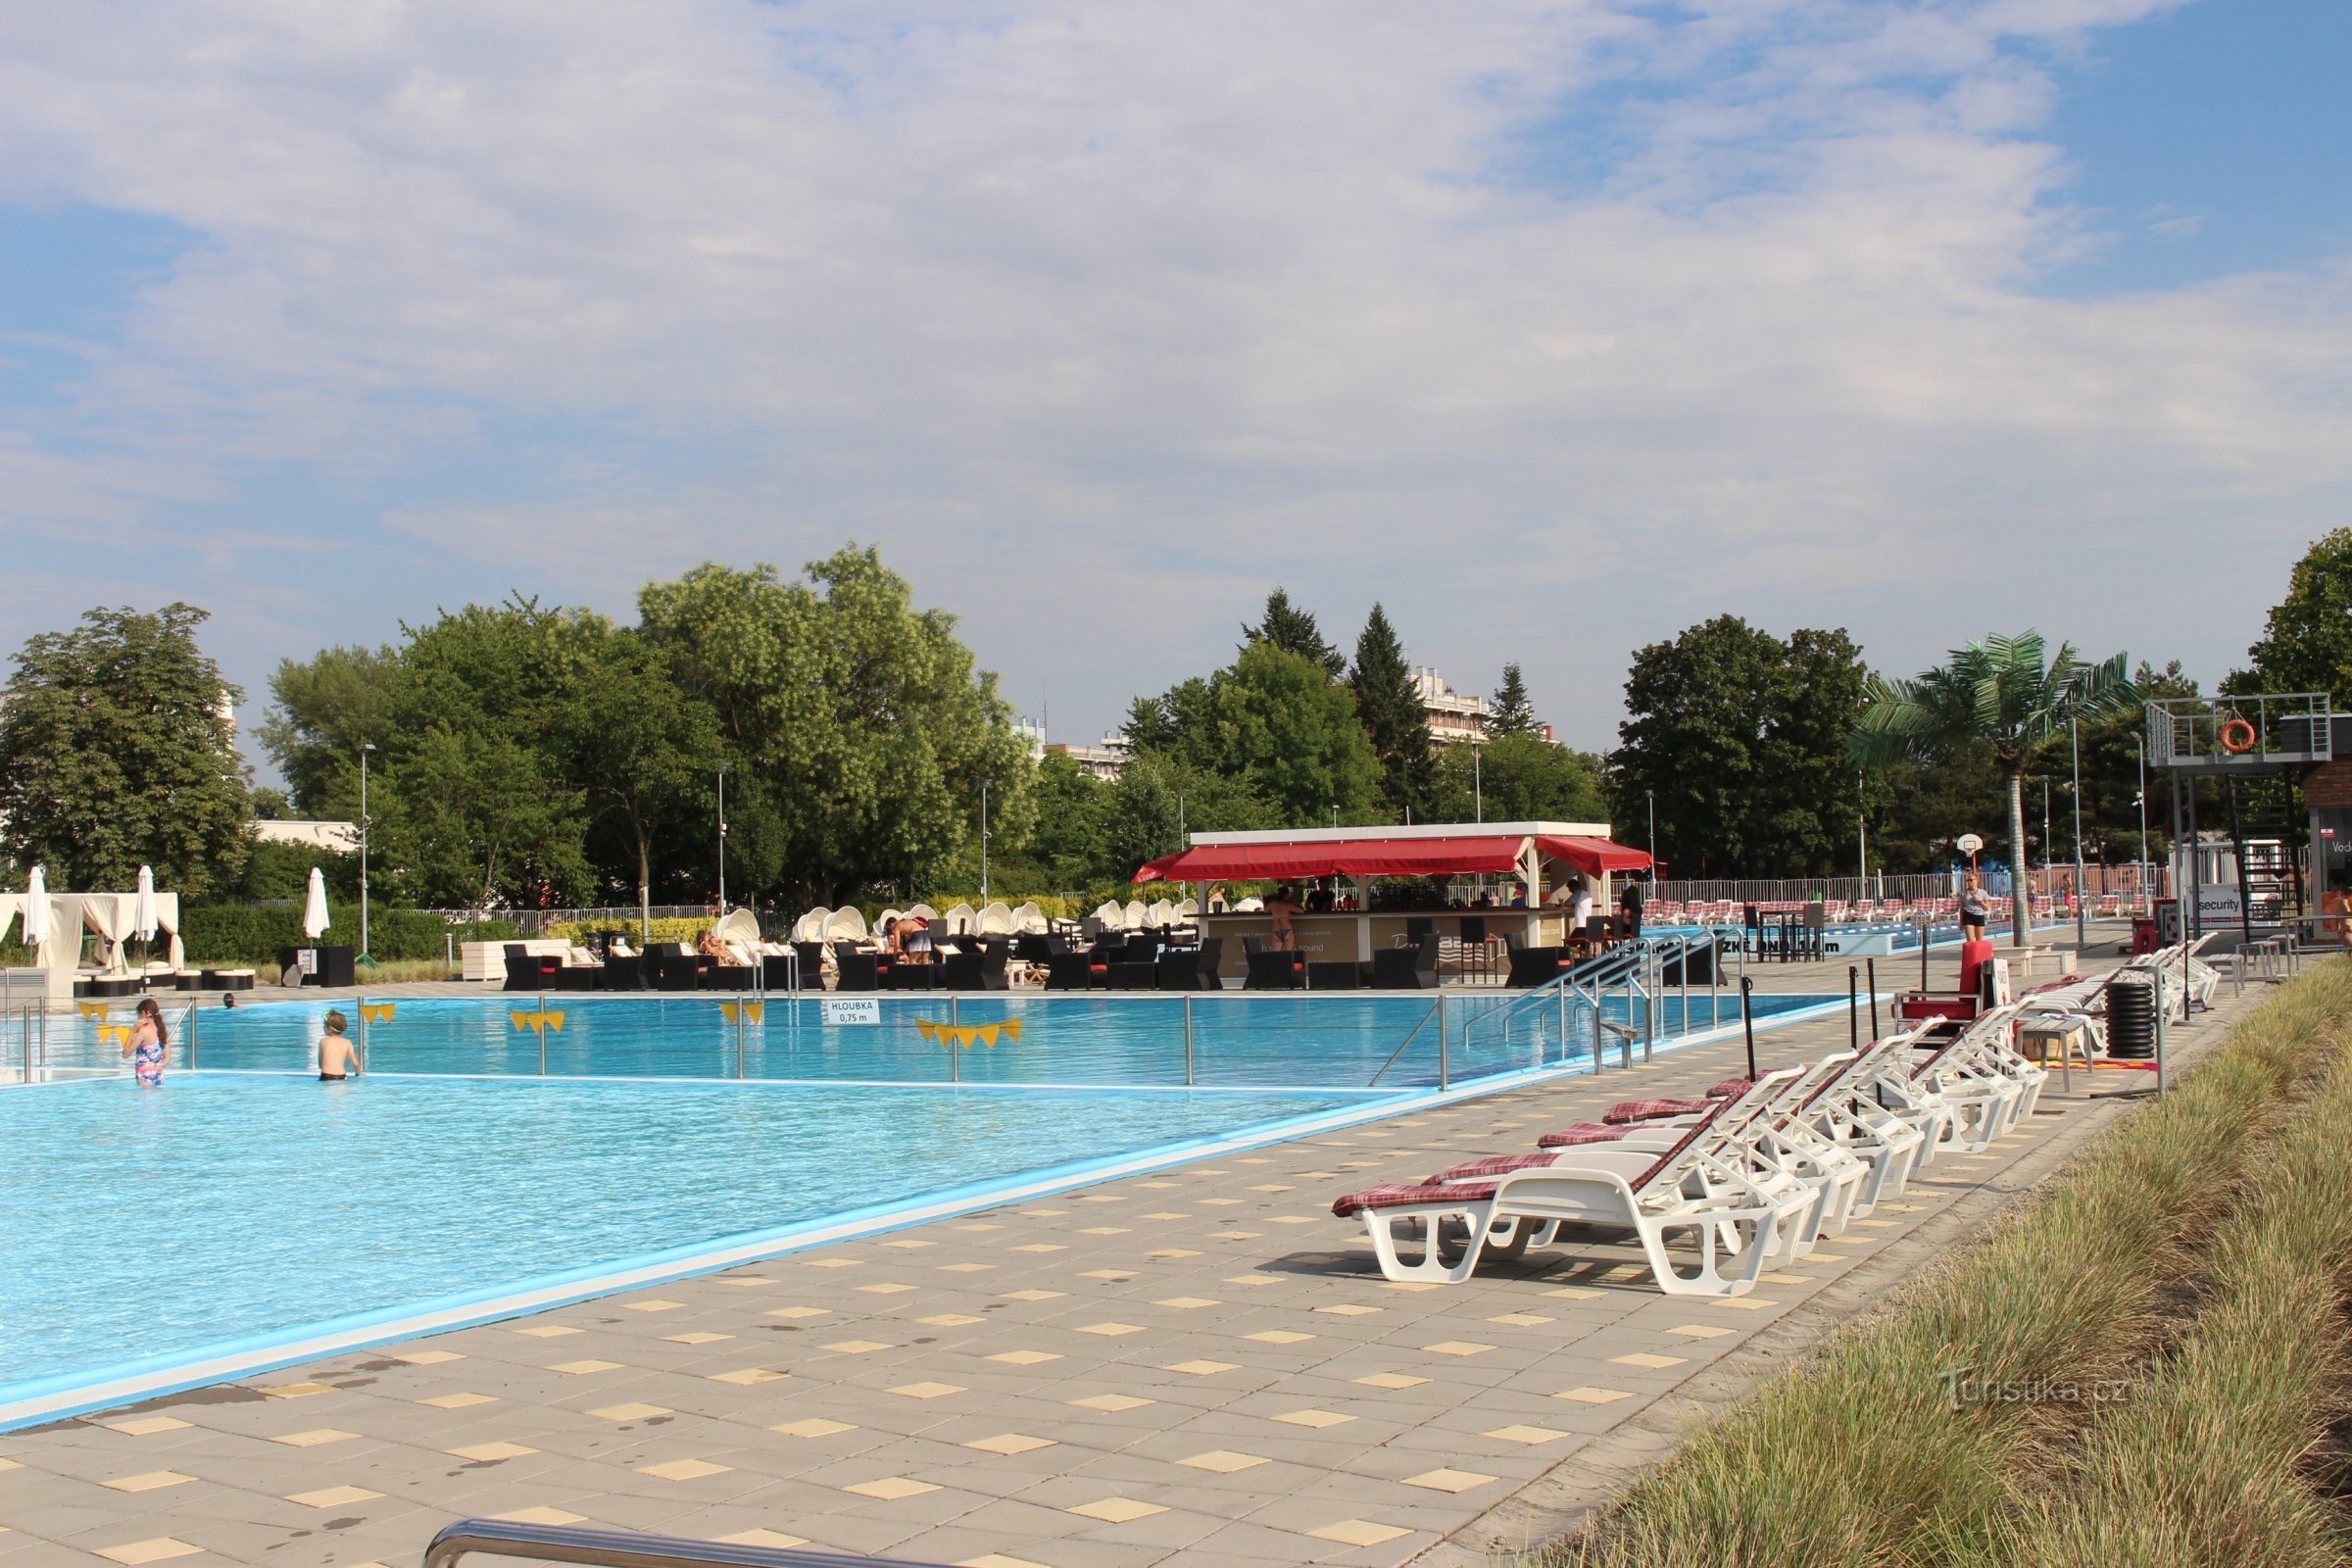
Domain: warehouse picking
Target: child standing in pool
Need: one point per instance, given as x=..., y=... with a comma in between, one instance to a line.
x=148, y=1045
x=337, y=1059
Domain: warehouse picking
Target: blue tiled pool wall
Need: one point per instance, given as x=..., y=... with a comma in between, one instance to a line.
x=1232, y=1041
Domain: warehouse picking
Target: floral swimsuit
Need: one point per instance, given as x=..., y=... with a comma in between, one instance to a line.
x=147, y=1064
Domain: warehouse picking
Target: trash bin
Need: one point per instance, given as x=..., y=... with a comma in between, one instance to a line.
x=2130, y=1019
x=2144, y=933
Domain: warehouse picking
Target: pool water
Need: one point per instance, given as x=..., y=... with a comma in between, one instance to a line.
x=224, y=1206
x=1282, y=1040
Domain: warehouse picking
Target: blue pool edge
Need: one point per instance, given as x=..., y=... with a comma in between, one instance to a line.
x=39, y=1402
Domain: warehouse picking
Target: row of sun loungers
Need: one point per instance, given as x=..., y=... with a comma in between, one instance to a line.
x=1712, y=1189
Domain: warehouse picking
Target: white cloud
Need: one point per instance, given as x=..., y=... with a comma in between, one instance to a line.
x=1101, y=320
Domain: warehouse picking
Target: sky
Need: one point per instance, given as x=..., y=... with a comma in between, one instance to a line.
x=1553, y=327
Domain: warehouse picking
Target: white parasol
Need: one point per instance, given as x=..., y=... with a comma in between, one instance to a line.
x=144, y=919
x=313, y=907
x=36, y=909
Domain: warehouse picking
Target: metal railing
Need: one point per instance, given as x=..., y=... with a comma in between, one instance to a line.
x=613, y=1549
x=1633, y=971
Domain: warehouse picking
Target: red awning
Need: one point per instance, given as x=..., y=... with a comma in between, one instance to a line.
x=1249, y=862
x=1593, y=857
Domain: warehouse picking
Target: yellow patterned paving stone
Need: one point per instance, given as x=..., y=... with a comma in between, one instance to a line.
x=1744, y=1304
x=1527, y=1435
x=1116, y=1510
x=1317, y=1419
x=812, y=1426
x=750, y=1376
x=928, y=1391
x=1187, y=1303
x=1352, y=1309
x=1655, y=1364
x=490, y=1453
x=796, y=1312
x=294, y=1390
x=459, y=1402
x=857, y=1347
x=1522, y=1320
x=134, y=1553
x=1223, y=1461
x=1011, y=1443
x=581, y=1369
x=1035, y=1295
x=950, y=1320
x=1111, y=1401
x=1458, y=1347
x=764, y=1537
x=1104, y=1230
x=909, y=1243
x=1200, y=1369
x=1357, y=1532
x=1575, y=1292
x=697, y=1338
x=629, y=1413
x=891, y=1489
x=550, y=1331
x=1392, y=1380
x=1701, y=1331
x=315, y=1437
x=1446, y=1480
x=333, y=1496
x=1279, y=1336
x=152, y=1480
x=146, y=1426
x=1110, y=1331
x=683, y=1470
x=426, y=1358
x=965, y=1268
x=884, y=1290
x=653, y=1306
x=1025, y=1357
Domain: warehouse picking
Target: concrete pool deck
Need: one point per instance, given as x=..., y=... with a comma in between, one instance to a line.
x=1196, y=1367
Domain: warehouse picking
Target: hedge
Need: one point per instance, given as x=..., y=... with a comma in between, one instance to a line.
x=224, y=933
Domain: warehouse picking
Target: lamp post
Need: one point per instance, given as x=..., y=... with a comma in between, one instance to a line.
x=1861, y=840
x=722, y=839
x=1651, y=798
x=1335, y=818
x=2081, y=937
x=365, y=747
x=1478, y=785
x=2147, y=895
x=984, y=844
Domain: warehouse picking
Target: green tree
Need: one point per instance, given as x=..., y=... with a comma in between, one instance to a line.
x=1292, y=736
x=1518, y=778
x=1698, y=711
x=321, y=713
x=1070, y=844
x=1805, y=816
x=1388, y=702
x=1512, y=713
x=1995, y=697
x=117, y=750
x=863, y=729
x=2307, y=642
x=1144, y=817
x=1294, y=631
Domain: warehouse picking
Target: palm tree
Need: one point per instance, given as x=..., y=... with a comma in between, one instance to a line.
x=1994, y=694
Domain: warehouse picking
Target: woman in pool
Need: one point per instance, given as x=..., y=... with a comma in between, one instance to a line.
x=337, y=1059
x=148, y=1045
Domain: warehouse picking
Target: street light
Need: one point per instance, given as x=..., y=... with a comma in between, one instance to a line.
x=722, y=838
x=2147, y=897
x=984, y=844
x=2081, y=937
x=365, y=747
x=1651, y=797
x=1334, y=817
x=1478, y=786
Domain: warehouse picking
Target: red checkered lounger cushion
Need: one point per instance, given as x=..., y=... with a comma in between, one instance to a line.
x=1407, y=1195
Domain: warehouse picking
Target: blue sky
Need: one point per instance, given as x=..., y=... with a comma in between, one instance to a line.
x=1555, y=327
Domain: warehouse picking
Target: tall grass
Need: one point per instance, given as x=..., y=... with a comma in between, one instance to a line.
x=2211, y=1464
x=1858, y=1458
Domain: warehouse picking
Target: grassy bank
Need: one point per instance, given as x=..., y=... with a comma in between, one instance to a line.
x=1860, y=1457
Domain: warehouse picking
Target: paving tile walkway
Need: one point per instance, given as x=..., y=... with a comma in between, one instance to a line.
x=1196, y=1368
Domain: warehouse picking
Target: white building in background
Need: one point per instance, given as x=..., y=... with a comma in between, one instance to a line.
x=1453, y=716
x=1105, y=761
x=334, y=838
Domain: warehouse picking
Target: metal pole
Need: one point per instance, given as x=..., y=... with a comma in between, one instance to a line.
x=1444, y=1061
x=739, y=1040
x=1871, y=966
x=541, y=1032
x=1747, y=1022
x=1188, y=1040
x=1853, y=1010
x=2148, y=896
x=2081, y=934
x=1861, y=842
x=1478, y=786
x=722, y=839
x=365, y=749
x=984, y=844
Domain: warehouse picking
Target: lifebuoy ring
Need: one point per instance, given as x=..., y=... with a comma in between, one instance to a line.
x=2238, y=736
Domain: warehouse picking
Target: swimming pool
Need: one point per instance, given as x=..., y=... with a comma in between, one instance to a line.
x=247, y=1217
x=1232, y=1041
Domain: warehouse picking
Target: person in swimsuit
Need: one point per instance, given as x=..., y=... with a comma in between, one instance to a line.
x=1975, y=910
x=148, y=1045
x=1282, y=909
x=338, y=1059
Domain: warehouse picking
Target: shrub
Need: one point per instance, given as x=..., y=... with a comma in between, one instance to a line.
x=236, y=933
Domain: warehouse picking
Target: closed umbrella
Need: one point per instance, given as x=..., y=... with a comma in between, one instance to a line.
x=143, y=918
x=36, y=909
x=313, y=907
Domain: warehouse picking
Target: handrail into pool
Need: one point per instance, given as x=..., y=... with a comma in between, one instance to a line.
x=613, y=1549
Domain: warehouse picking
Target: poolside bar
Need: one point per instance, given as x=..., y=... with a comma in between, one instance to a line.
x=1531, y=860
